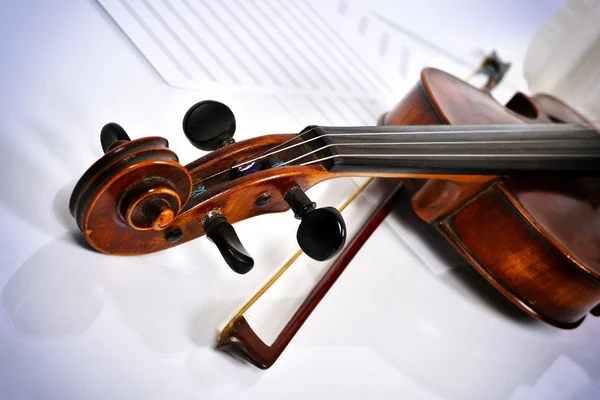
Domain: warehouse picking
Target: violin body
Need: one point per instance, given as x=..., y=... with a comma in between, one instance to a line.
x=535, y=240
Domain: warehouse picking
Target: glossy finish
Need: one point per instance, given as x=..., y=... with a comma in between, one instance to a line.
x=521, y=265
x=222, y=186
x=492, y=150
x=209, y=125
x=112, y=135
x=522, y=229
x=223, y=235
x=77, y=324
x=322, y=231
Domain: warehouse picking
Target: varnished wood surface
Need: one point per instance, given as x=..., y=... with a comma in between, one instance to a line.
x=561, y=218
x=541, y=216
x=567, y=213
x=499, y=241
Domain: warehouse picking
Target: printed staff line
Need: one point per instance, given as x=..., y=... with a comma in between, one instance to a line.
x=344, y=108
x=345, y=44
x=252, y=55
x=165, y=50
x=363, y=25
x=372, y=113
x=194, y=32
x=313, y=55
x=257, y=41
x=283, y=51
x=337, y=110
x=362, y=116
x=384, y=42
x=343, y=8
x=421, y=40
x=328, y=53
x=191, y=54
x=319, y=109
x=366, y=73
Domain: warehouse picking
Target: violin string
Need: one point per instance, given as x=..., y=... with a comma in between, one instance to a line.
x=531, y=155
x=270, y=152
x=449, y=130
x=509, y=128
x=261, y=156
x=290, y=162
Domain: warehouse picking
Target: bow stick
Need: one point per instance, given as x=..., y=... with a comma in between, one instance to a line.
x=239, y=339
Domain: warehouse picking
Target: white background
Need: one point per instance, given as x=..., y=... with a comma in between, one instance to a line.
x=78, y=324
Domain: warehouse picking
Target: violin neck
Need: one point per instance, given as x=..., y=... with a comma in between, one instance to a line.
x=452, y=149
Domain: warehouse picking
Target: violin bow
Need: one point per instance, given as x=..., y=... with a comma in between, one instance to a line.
x=239, y=339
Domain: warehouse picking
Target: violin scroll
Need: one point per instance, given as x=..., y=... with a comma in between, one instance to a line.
x=138, y=198
x=138, y=184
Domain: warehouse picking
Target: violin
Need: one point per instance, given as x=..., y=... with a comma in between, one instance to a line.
x=513, y=188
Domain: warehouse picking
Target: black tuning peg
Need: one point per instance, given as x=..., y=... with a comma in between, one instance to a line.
x=209, y=125
x=222, y=234
x=112, y=135
x=322, y=232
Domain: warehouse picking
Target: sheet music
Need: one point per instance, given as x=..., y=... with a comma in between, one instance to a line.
x=334, y=63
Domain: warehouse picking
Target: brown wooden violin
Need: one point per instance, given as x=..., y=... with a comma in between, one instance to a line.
x=515, y=192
